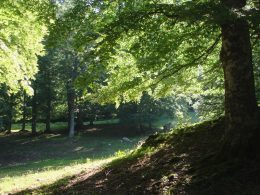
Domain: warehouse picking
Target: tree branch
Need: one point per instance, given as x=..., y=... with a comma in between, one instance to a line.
x=202, y=56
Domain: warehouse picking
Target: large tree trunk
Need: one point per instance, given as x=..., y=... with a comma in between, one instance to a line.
x=242, y=129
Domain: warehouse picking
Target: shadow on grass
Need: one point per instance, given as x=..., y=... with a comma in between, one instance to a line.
x=21, y=154
x=176, y=163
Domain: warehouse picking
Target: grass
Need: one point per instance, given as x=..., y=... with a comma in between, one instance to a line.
x=158, y=123
x=37, y=178
x=31, y=162
x=40, y=126
x=59, y=125
x=179, y=162
x=109, y=121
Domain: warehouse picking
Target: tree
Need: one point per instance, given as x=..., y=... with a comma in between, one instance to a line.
x=24, y=25
x=24, y=111
x=242, y=117
x=148, y=46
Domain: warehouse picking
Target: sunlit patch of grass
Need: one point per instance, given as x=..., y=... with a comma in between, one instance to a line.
x=35, y=179
x=31, y=162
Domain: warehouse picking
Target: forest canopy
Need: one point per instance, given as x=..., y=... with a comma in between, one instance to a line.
x=150, y=46
x=23, y=27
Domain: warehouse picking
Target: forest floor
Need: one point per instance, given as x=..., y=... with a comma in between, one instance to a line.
x=32, y=161
x=179, y=162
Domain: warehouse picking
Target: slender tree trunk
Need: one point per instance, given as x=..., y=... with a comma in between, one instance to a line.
x=9, y=124
x=48, y=117
x=48, y=91
x=24, y=112
x=10, y=114
x=92, y=119
x=241, y=138
x=79, y=124
x=71, y=108
x=91, y=122
x=79, y=121
x=10, y=119
x=71, y=95
x=34, y=113
x=48, y=105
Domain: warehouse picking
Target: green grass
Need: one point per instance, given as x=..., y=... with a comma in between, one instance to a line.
x=30, y=162
x=37, y=178
x=40, y=126
x=58, y=125
x=109, y=121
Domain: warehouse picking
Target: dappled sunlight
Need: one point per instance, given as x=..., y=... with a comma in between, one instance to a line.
x=50, y=174
x=93, y=129
x=80, y=148
x=31, y=162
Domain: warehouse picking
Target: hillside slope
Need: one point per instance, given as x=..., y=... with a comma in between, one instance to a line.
x=179, y=162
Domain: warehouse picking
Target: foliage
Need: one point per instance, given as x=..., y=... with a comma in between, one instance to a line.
x=149, y=111
x=155, y=52
x=23, y=27
x=152, y=46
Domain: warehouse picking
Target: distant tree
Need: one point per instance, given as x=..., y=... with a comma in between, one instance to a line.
x=24, y=111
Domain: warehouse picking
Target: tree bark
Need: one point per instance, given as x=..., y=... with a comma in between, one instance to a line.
x=241, y=139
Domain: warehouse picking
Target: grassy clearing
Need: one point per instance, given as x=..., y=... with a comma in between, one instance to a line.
x=34, y=178
x=178, y=162
x=31, y=162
